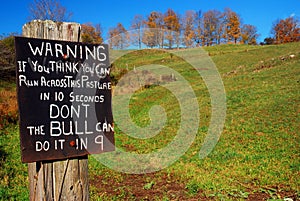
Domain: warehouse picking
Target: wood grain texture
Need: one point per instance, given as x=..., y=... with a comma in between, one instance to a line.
x=57, y=180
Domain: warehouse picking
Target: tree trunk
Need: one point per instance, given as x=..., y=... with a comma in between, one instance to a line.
x=65, y=179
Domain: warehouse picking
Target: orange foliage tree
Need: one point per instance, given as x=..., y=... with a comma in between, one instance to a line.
x=233, y=31
x=154, y=36
x=91, y=34
x=172, y=24
x=286, y=30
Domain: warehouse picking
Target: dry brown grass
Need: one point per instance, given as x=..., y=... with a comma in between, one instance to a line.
x=8, y=107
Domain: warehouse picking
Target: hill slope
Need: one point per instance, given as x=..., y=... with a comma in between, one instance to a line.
x=257, y=155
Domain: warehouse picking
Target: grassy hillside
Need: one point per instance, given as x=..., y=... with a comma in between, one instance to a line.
x=256, y=158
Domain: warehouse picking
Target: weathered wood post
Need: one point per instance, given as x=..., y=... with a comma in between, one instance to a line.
x=65, y=179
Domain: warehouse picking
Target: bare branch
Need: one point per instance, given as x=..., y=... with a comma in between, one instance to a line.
x=48, y=10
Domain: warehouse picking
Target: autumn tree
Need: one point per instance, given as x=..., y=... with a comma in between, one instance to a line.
x=154, y=36
x=233, y=31
x=212, y=27
x=286, y=30
x=188, y=28
x=209, y=27
x=91, y=34
x=118, y=37
x=48, y=10
x=249, y=34
x=172, y=25
x=137, y=26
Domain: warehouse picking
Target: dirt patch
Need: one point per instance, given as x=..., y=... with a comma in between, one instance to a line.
x=258, y=196
x=279, y=192
x=261, y=196
x=154, y=186
x=157, y=186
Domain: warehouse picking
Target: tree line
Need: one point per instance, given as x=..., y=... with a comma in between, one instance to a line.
x=197, y=28
x=193, y=28
x=173, y=30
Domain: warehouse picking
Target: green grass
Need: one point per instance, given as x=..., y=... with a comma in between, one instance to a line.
x=13, y=174
x=258, y=151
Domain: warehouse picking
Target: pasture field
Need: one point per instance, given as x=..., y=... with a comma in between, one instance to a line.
x=256, y=157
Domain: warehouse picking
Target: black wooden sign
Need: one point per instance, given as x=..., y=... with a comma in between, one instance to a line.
x=64, y=98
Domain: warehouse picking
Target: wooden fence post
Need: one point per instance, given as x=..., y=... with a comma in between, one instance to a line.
x=65, y=179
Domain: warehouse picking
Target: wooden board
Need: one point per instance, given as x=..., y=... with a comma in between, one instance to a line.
x=64, y=97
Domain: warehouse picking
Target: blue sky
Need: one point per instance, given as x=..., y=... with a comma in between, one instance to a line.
x=260, y=13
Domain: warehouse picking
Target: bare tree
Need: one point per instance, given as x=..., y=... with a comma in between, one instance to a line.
x=188, y=28
x=249, y=34
x=199, y=33
x=118, y=37
x=212, y=27
x=48, y=10
x=137, y=25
